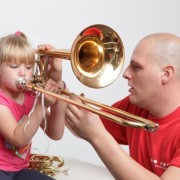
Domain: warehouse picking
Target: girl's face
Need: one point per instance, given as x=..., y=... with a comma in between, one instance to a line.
x=10, y=72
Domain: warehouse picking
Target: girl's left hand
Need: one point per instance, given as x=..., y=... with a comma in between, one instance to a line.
x=54, y=70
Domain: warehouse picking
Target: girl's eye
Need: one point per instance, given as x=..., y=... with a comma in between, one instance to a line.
x=13, y=66
x=29, y=67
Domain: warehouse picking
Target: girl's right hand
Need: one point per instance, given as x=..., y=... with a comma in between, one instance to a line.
x=50, y=86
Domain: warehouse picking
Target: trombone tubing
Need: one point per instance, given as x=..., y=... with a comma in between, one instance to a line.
x=115, y=110
x=146, y=124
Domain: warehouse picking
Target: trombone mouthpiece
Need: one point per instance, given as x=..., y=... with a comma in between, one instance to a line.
x=21, y=82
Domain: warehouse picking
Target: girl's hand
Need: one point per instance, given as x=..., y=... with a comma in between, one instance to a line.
x=54, y=70
x=50, y=86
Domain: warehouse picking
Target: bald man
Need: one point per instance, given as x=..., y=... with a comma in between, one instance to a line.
x=153, y=76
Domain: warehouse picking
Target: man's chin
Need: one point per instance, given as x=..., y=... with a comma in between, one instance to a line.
x=137, y=102
x=133, y=100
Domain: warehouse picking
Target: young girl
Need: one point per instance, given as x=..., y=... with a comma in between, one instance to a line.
x=20, y=114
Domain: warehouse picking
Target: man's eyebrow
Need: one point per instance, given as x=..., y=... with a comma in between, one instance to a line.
x=133, y=62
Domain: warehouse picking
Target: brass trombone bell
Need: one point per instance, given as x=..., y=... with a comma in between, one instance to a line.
x=97, y=56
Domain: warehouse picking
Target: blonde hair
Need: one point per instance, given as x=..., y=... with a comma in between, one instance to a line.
x=15, y=48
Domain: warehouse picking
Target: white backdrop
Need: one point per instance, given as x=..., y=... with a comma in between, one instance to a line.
x=58, y=22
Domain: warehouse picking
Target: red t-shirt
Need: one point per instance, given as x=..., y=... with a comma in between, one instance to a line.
x=153, y=150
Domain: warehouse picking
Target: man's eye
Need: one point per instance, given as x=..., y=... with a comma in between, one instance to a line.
x=136, y=67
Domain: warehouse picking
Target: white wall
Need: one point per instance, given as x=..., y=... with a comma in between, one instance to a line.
x=58, y=22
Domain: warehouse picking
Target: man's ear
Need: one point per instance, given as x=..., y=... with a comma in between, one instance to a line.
x=167, y=72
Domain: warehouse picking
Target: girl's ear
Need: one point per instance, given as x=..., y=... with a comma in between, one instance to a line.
x=167, y=73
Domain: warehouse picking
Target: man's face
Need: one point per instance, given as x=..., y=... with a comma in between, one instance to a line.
x=144, y=76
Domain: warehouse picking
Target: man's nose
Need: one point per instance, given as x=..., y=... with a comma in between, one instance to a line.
x=126, y=73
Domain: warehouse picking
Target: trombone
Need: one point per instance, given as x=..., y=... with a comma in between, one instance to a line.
x=97, y=57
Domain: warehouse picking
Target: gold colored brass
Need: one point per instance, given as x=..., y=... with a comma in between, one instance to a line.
x=97, y=56
x=48, y=165
x=128, y=118
x=113, y=114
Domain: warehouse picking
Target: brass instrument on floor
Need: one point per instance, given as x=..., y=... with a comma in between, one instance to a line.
x=48, y=165
x=97, y=57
